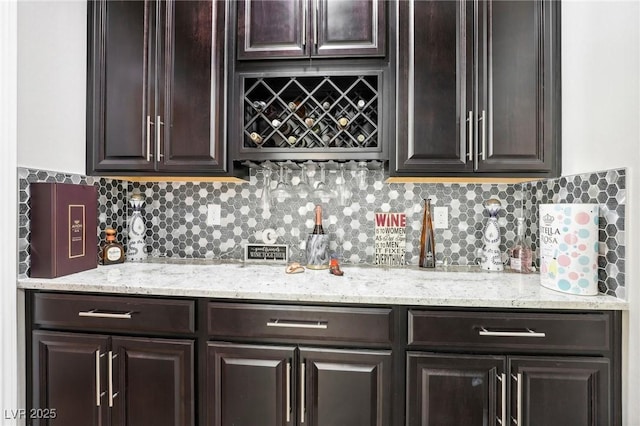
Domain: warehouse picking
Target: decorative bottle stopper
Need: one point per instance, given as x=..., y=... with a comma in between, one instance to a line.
x=136, y=244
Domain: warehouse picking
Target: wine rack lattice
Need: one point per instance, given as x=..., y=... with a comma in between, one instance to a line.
x=311, y=112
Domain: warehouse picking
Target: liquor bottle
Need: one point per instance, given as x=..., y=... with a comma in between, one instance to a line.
x=361, y=103
x=521, y=255
x=112, y=252
x=318, y=229
x=427, y=241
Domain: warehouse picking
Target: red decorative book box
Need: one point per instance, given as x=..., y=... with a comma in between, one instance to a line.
x=64, y=223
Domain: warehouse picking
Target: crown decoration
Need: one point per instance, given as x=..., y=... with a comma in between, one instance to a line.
x=548, y=219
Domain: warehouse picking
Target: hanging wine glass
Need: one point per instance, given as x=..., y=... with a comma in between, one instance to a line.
x=361, y=175
x=265, y=198
x=283, y=189
x=322, y=190
x=303, y=189
x=342, y=191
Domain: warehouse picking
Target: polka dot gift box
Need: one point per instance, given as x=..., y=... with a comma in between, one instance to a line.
x=569, y=248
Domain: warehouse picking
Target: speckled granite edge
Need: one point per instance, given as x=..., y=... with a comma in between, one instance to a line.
x=404, y=286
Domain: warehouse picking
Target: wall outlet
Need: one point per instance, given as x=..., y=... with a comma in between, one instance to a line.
x=213, y=214
x=441, y=217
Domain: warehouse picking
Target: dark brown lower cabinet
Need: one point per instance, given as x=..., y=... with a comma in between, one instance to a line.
x=89, y=380
x=560, y=391
x=258, y=385
x=152, y=381
x=68, y=382
x=446, y=389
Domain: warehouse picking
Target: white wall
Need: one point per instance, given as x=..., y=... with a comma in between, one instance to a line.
x=52, y=67
x=9, y=398
x=601, y=130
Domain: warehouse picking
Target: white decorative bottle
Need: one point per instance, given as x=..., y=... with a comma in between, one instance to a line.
x=491, y=259
x=136, y=244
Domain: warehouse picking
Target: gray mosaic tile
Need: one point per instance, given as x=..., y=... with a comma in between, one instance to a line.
x=176, y=215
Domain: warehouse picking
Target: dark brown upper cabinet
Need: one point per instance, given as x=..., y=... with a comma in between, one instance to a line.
x=478, y=89
x=156, y=87
x=290, y=29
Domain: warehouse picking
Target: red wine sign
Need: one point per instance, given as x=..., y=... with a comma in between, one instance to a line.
x=390, y=238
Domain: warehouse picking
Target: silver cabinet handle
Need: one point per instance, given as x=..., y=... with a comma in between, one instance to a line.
x=93, y=313
x=98, y=394
x=322, y=325
x=484, y=135
x=470, y=144
x=527, y=333
x=302, y=392
x=159, y=125
x=304, y=26
x=110, y=378
x=315, y=23
x=503, y=383
x=288, y=391
x=518, y=419
x=149, y=124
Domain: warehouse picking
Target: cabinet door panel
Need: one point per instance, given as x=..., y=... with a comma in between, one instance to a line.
x=435, y=87
x=349, y=28
x=346, y=387
x=453, y=390
x=248, y=385
x=121, y=85
x=560, y=391
x=154, y=381
x=68, y=377
x=191, y=94
x=515, y=86
x=272, y=29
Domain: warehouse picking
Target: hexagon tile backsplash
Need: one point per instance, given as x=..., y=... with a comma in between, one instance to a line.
x=176, y=215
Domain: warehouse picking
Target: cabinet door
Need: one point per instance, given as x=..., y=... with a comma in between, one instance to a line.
x=68, y=376
x=518, y=86
x=152, y=381
x=121, y=85
x=272, y=29
x=349, y=28
x=454, y=390
x=560, y=391
x=191, y=92
x=250, y=385
x=345, y=387
x=434, y=88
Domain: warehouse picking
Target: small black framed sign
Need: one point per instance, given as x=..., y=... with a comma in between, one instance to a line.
x=272, y=253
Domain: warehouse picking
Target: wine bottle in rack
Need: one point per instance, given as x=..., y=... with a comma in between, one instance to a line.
x=259, y=105
x=256, y=138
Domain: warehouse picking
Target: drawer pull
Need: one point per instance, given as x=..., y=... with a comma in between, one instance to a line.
x=320, y=325
x=95, y=314
x=528, y=333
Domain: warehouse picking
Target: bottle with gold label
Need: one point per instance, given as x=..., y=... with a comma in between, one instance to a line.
x=112, y=251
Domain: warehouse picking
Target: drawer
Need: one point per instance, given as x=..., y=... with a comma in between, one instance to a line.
x=113, y=313
x=564, y=332
x=361, y=325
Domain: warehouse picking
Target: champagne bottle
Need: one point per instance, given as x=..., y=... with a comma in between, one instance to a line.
x=427, y=241
x=318, y=229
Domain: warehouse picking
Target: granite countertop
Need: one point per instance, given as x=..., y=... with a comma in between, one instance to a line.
x=453, y=286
